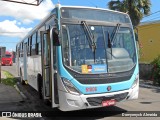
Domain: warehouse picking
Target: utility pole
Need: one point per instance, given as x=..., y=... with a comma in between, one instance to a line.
x=2, y=54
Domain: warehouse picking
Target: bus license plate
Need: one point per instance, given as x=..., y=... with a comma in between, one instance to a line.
x=108, y=103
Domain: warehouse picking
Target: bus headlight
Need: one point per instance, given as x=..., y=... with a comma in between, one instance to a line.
x=70, y=87
x=135, y=81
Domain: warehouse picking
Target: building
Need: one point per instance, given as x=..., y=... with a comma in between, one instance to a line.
x=149, y=41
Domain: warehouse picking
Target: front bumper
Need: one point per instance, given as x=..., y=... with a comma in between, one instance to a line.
x=69, y=102
x=6, y=63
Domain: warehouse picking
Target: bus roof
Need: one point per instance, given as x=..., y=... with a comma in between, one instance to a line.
x=94, y=8
x=60, y=6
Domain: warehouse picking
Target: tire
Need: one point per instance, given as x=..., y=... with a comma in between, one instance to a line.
x=40, y=86
x=21, y=78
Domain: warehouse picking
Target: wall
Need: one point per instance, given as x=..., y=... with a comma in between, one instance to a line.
x=149, y=38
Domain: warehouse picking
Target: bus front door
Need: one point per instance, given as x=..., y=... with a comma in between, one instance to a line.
x=46, y=64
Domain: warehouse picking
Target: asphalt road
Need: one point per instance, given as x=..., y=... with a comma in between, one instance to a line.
x=11, y=69
x=148, y=102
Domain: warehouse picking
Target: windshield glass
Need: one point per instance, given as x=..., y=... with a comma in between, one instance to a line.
x=78, y=55
x=8, y=56
x=94, y=14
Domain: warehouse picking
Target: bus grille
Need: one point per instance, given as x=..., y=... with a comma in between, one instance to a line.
x=97, y=101
x=103, y=80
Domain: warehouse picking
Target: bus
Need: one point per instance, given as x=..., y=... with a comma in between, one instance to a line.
x=80, y=58
x=7, y=59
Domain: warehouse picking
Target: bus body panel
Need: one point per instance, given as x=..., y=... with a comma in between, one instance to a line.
x=33, y=69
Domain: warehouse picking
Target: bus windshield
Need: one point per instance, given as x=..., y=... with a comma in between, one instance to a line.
x=97, y=41
x=79, y=56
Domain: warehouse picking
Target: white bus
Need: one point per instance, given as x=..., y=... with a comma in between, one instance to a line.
x=80, y=58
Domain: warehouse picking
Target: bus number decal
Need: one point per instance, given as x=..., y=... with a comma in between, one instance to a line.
x=91, y=89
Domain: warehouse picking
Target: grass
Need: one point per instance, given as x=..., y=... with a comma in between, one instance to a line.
x=9, y=80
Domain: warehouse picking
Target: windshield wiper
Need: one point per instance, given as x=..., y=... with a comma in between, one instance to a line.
x=91, y=41
x=109, y=43
x=114, y=33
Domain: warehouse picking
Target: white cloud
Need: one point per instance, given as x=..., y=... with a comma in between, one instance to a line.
x=10, y=28
x=26, y=13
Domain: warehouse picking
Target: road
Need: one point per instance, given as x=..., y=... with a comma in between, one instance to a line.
x=11, y=69
x=149, y=100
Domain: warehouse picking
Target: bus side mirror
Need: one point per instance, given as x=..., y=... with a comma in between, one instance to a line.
x=55, y=38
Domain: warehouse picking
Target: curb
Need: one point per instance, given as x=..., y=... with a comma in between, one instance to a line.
x=21, y=93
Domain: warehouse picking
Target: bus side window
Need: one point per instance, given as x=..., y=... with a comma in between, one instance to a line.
x=17, y=50
x=28, y=51
x=54, y=57
x=21, y=49
x=33, y=45
x=38, y=45
x=55, y=38
x=55, y=43
x=65, y=46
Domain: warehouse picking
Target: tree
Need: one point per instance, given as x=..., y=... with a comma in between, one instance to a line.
x=135, y=8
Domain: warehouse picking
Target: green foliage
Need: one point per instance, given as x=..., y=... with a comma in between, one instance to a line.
x=135, y=8
x=156, y=70
x=9, y=80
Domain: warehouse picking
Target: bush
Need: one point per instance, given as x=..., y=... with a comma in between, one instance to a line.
x=9, y=80
x=156, y=71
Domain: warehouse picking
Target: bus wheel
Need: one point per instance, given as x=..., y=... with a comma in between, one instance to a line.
x=21, y=78
x=40, y=86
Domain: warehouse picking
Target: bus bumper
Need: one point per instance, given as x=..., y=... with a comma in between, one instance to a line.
x=70, y=102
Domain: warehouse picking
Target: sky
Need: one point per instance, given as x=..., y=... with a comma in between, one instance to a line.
x=16, y=20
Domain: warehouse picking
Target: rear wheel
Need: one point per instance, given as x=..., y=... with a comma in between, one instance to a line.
x=21, y=78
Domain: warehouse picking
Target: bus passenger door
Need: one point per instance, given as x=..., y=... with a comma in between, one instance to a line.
x=46, y=64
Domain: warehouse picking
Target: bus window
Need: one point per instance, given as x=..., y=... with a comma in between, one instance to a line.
x=28, y=53
x=39, y=40
x=33, y=44
x=65, y=45
x=55, y=38
x=21, y=49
